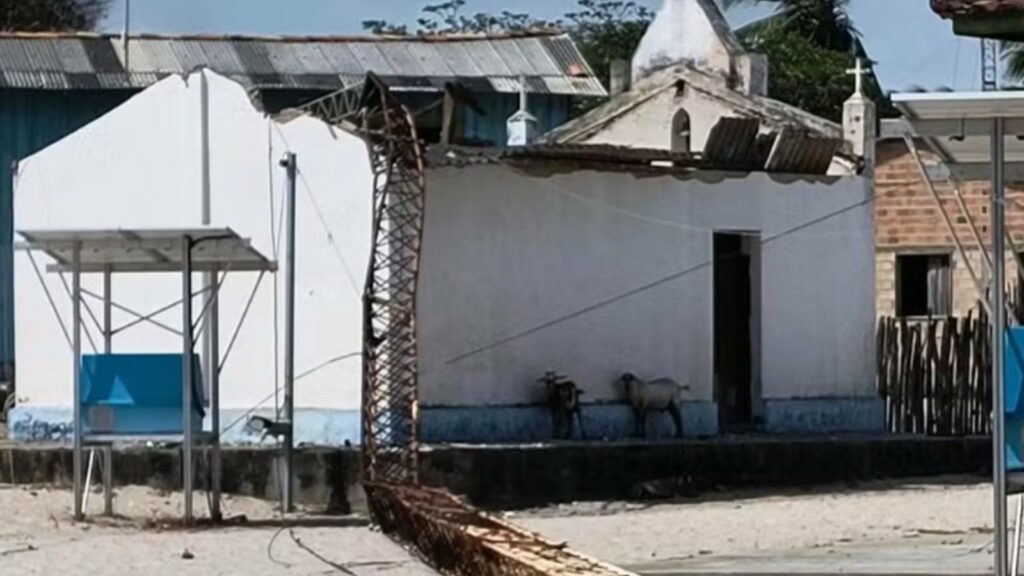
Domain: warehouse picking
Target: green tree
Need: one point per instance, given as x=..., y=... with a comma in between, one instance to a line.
x=1013, y=61
x=825, y=23
x=607, y=30
x=448, y=18
x=803, y=74
x=51, y=15
x=809, y=43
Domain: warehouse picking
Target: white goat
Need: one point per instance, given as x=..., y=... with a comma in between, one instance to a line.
x=661, y=395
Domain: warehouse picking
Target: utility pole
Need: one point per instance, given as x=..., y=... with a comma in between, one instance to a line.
x=291, y=166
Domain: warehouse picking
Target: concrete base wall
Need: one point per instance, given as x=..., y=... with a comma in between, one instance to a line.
x=312, y=426
x=514, y=476
x=516, y=424
x=328, y=479
x=824, y=415
x=505, y=424
x=523, y=476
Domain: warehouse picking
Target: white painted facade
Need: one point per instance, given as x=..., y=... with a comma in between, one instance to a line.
x=650, y=124
x=528, y=273
x=140, y=166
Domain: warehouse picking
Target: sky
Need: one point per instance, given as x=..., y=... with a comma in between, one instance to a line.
x=911, y=45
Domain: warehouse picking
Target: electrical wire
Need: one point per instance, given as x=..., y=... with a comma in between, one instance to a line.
x=330, y=236
x=323, y=223
x=308, y=372
x=339, y=567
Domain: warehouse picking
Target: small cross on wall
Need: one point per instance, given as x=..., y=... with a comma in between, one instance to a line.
x=859, y=71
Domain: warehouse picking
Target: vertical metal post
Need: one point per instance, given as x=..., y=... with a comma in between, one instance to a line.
x=76, y=357
x=206, y=213
x=213, y=355
x=108, y=345
x=291, y=165
x=127, y=31
x=209, y=283
x=998, y=330
x=186, y=374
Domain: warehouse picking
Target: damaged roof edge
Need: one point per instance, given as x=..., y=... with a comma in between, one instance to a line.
x=371, y=38
x=794, y=154
x=551, y=62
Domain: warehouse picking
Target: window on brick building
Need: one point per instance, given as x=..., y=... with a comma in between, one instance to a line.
x=924, y=285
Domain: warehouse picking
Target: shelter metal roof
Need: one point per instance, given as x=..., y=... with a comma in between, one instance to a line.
x=950, y=8
x=959, y=126
x=551, y=62
x=147, y=250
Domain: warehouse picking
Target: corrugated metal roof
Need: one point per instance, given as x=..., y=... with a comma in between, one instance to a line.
x=737, y=143
x=551, y=62
x=797, y=152
x=950, y=8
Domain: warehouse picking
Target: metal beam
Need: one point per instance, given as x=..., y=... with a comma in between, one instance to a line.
x=979, y=171
x=186, y=375
x=76, y=358
x=978, y=286
x=288, y=491
x=998, y=322
x=966, y=127
x=155, y=267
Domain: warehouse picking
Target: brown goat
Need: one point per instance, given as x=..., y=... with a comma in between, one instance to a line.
x=563, y=398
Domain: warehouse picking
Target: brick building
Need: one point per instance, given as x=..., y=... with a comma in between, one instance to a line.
x=918, y=267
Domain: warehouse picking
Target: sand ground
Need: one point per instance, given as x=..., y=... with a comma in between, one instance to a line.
x=37, y=535
x=953, y=515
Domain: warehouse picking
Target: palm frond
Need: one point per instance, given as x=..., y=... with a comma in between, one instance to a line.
x=1013, y=57
x=751, y=29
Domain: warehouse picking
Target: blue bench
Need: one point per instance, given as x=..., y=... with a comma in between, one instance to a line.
x=137, y=394
x=1014, y=399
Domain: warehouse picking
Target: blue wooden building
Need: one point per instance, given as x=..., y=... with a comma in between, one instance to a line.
x=52, y=84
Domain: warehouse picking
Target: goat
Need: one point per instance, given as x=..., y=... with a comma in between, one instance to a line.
x=563, y=398
x=661, y=395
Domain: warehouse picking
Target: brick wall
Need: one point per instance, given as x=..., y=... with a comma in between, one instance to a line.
x=908, y=221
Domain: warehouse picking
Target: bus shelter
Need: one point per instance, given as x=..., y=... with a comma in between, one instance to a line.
x=154, y=397
x=980, y=135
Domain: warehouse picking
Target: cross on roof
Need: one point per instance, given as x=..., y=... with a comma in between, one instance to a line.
x=859, y=71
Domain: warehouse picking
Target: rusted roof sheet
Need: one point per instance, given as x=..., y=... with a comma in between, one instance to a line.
x=737, y=143
x=551, y=62
x=797, y=152
x=951, y=8
x=791, y=151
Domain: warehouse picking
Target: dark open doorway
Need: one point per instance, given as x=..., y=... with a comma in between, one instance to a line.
x=735, y=318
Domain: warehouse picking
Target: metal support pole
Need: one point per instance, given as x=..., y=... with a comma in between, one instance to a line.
x=978, y=286
x=108, y=346
x=998, y=329
x=206, y=211
x=88, y=481
x=76, y=357
x=1018, y=522
x=213, y=334
x=291, y=165
x=186, y=374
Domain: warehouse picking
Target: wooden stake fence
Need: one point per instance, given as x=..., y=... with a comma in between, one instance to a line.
x=935, y=375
